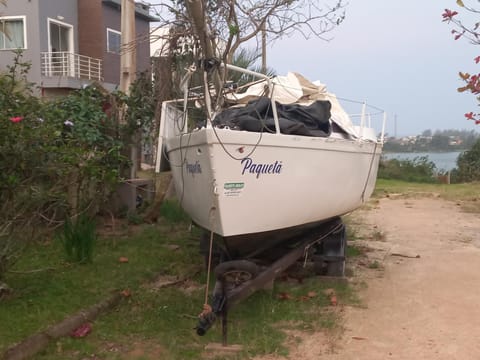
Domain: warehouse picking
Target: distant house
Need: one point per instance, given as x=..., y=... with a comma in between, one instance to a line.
x=70, y=43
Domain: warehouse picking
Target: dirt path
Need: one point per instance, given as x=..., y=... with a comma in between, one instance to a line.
x=425, y=307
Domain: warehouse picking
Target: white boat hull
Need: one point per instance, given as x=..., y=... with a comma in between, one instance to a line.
x=238, y=182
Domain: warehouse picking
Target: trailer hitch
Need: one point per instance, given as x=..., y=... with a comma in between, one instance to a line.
x=210, y=313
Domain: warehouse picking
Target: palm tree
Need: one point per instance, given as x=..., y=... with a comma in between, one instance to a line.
x=247, y=59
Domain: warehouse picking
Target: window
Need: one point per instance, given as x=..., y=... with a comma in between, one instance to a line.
x=12, y=33
x=114, y=41
x=61, y=38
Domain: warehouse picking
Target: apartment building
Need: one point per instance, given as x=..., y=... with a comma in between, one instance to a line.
x=71, y=43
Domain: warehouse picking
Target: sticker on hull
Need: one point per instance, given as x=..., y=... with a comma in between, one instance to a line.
x=233, y=188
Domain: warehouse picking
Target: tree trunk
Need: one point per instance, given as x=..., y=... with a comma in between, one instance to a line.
x=196, y=12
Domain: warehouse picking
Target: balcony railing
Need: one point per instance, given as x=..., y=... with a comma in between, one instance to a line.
x=70, y=65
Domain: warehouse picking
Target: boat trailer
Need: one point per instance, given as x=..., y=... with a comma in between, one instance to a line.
x=325, y=245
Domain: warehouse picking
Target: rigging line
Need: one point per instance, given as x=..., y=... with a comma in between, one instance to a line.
x=184, y=161
x=254, y=147
x=369, y=114
x=369, y=171
x=210, y=251
x=164, y=150
x=361, y=102
x=183, y=158
x=320, y=239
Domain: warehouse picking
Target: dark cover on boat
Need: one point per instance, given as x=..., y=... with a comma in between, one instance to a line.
x=294, y=119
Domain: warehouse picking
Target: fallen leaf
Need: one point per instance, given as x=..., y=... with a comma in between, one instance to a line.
x=358, y=338
x=311, y=294
x=329, y=292
x=123, y=259
x=82, y=331
x=303, y=298
x=284, y=296
x=333, y=300
x=126, y=293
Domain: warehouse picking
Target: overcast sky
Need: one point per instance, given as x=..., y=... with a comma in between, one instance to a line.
x=396, y=55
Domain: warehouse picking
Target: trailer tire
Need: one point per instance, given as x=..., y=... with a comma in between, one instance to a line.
x=236, y=272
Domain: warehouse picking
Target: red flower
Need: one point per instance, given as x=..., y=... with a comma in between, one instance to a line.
x=448, y=15
x=16, y=119
x=477, y=59
x=477, y=122
x=470, y=116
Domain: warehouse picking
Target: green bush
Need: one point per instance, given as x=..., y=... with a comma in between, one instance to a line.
x=62, y=157
x=420, y=169
x=173, y=212
x=468, y=165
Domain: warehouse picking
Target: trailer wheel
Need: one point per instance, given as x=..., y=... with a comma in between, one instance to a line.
x=236, y=272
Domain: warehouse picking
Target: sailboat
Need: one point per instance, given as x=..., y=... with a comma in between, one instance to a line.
x=280, y=156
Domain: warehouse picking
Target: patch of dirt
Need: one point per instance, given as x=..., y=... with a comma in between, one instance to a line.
x=183, y=282
x=421, y=302
x=137, y=350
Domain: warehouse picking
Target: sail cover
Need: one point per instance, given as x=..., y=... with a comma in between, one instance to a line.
x=294, y=119
x=300, y=93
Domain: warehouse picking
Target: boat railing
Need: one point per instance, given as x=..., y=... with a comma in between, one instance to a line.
x=364, y=119
x=268, y=79
x=368, y=112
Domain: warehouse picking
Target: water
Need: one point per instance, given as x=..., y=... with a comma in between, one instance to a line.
x=443, y=161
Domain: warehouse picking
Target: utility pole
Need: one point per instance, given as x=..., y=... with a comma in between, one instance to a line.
x=264, y=49
x=128, y=49
x=395, y=125
x=128, y=67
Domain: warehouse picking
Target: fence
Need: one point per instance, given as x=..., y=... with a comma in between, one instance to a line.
x=71, y=65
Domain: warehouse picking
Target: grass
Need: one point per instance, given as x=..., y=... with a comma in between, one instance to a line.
x=466, y=195
x=158, y=323
x=152, y=323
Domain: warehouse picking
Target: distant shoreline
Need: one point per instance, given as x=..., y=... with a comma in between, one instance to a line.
x=423, y=151
x=443, y=160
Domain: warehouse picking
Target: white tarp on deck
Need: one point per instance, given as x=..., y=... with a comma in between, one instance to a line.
x=294, y=88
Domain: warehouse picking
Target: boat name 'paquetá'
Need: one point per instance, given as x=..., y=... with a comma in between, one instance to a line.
x=253, y=168
x=193, y=168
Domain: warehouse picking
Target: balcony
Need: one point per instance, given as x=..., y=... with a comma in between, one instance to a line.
x=64, y=69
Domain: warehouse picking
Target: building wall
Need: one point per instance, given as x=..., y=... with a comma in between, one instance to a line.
x=112, y=19
x=111, y=67
x=37, y=14
x=63, y=12
x=143, y=45
x=91, y=35
x=89, y=19
x=31, y=53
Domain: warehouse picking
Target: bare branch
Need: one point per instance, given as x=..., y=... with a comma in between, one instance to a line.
x=236, y=22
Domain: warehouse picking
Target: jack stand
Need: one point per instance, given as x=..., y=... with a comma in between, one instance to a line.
x=224, y=318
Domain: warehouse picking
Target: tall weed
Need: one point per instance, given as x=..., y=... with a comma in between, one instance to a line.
x=79, y=238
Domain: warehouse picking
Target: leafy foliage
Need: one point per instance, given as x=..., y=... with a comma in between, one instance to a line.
x=420, y=169
x=60, y=158
x=470, y=32
x=468, y=165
